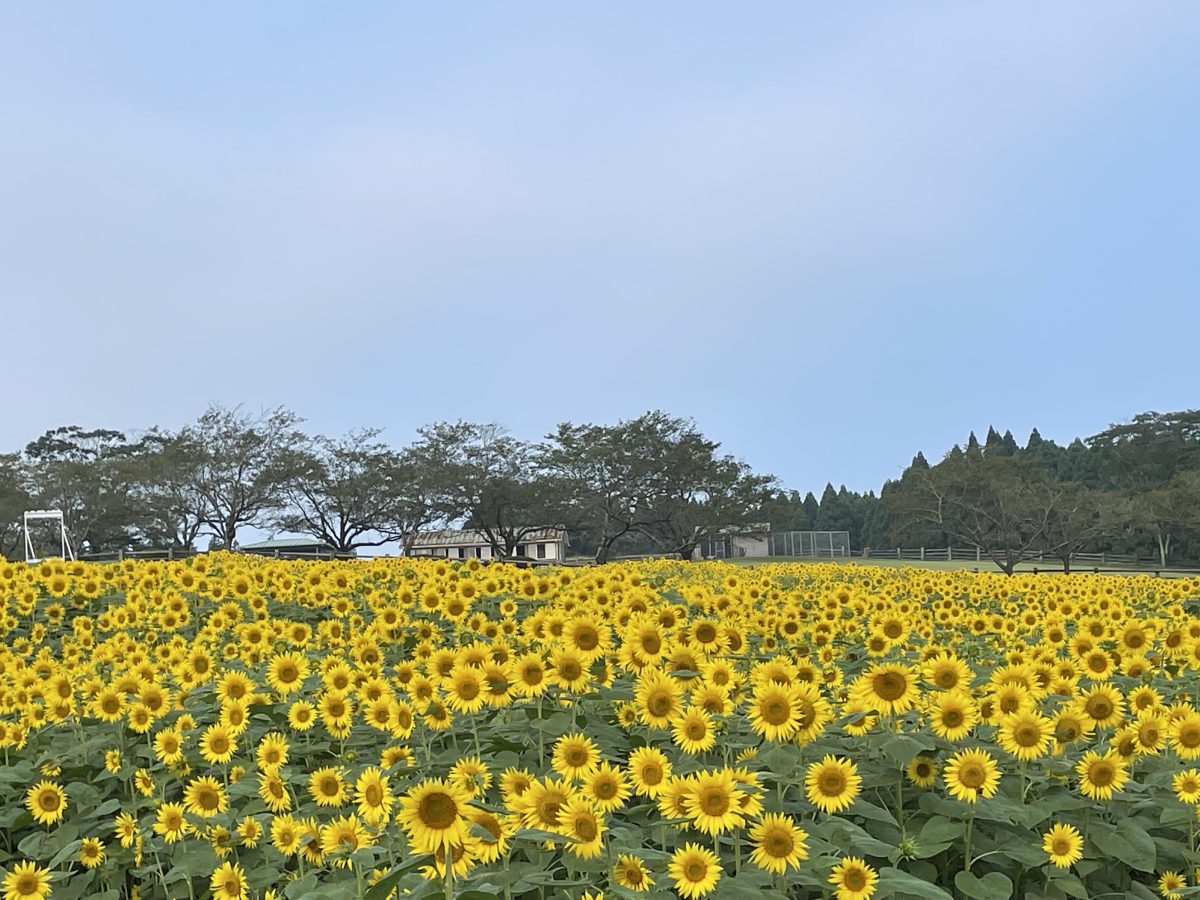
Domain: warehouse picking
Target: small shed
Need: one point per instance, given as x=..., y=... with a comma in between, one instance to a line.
x=548, y=545
x=291, y=547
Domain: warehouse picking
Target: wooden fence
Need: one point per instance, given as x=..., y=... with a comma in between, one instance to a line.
x=949, y=554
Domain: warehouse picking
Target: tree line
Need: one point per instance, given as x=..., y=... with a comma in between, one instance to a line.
x=652, y=484
x=1133, y=488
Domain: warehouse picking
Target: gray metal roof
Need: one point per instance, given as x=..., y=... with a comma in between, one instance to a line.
x=281, y=543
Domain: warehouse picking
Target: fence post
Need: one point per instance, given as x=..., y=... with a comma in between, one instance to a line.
x=922, y=554
x=121, y=555
x=978, y=554
x=1104, y=558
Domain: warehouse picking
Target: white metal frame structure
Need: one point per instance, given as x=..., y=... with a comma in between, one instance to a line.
x=47, y=515
x=810, y=543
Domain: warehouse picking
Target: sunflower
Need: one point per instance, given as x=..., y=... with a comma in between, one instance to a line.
x=649, y=770
x=125, y=827
x=466, y=689
x=606, y=788
x=695, y=871
x=229, y=882
x=1101, y=774
x=693, y=732
x=286, y=673
x=970, y=774
x=514, y=783
x=1069, y=726
x=374, y=796
x=217, y=745
x=272, y=752
x=575, y=756
x=631, y=872
x=433, y=815
x=327, y=787
x=1169, y=884
x=922, y=771
x=286, y=832
x=1064, y=845
x=27, y=881
x=250, y=830
x=832, y=784
x=472, y=775
x=570, y=670
x=302, y=715
x=952, y=715
x=541, y=805
x=889, y=689
x=169, y=822
x=342, y=837
x=584, y=825
x=168, y=746
x=1185, y=735
x=274, y=792
x=658, y=699
x=853, y=879
x=46, y=802
x=1025, y=735
x=1187, y=786
x=529, y=674
x=774, y=711
x=1103, y=705
x=714, y=802
x=91, y=852
x=778, y=843
x=205, y=797
x=500, y=829
x=947, y=672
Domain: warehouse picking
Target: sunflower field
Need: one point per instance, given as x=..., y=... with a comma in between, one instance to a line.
x=234, y=727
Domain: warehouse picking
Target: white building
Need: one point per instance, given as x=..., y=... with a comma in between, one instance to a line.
x=736, y=540
x=547, y=545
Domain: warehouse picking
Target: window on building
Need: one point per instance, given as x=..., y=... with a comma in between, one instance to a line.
x=541, y=551
x=462, y=552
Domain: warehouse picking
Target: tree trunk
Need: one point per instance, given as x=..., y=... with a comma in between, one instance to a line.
x=1164, y=547
x=1066, y=561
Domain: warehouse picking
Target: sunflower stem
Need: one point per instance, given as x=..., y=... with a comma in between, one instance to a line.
x=967, y=842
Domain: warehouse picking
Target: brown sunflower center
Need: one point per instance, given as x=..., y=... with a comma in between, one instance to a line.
x=437, y=811
x=1102, y=774
x=890, y=686
x=832, y=782
x=775, y=710
x=779, y=844
x=714, y=801
x=972, y=775
x=854, y=879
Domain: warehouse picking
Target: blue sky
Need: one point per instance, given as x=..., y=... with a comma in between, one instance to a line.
x=833, y=234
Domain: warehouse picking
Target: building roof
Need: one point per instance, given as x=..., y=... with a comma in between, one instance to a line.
x=449, y=537
x=285, y=544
